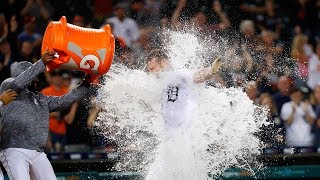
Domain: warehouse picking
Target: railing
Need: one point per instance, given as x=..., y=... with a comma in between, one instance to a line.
x=280, y=163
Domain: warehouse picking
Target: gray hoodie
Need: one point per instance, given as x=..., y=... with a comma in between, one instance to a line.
x=25, y=121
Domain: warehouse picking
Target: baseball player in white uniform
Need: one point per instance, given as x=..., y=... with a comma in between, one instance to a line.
x=178, y=103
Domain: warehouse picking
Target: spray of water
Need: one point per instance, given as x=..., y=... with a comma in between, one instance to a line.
x=220, y=127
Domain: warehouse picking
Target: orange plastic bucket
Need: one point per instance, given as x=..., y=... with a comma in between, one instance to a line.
x=85, y=49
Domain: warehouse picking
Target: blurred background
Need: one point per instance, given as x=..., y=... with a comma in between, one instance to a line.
x=278, y=42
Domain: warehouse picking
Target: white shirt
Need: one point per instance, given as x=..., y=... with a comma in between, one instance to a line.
x=314, y=71
x=299, y=132
x=126, y=29
x=177, y=99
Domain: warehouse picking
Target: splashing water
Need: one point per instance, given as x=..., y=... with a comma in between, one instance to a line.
x=217, y=130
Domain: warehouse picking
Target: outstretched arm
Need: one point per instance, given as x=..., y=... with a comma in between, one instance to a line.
x=59, y=103
x=175, y=19
x=27, y=76
x=207, y=73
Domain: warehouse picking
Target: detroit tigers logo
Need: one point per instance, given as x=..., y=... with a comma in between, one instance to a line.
x=172, y=93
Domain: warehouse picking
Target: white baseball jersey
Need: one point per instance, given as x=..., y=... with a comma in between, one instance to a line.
x=177, y=99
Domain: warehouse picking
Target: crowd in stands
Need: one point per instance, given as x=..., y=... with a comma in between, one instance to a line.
x=278, y=42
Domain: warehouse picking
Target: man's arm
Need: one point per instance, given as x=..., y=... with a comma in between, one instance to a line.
x=207, y=73
x=27, y=76
x=93, y=114
x=69, y=118
x=59, y=103
x=175, y=19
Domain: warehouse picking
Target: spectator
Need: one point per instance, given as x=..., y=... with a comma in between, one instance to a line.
x=142, y=15
x=217, y=18
x=78, y=131
x=175, y=19
x=27, y=52
x=283, y=95
x=314, y=68
x=11, y=8
x=144, y=46
x=251, y=8
x=248, y=35
x=166, y=10
x=240, y=64
x=316, y=108
x=301, y=52
x=269, y=46
x=3, y=27
x=317, y=21
x=153, y=6
x=252, y=91
x=41, y=10
x=188, y=9
x=78, y=21
x=6, y=59
x=299, y=118
x=303, y=12
x=200, y=21
x=272, y=134
x=264, y=73
x=122, y=26
x=13, y=33
x=29, y=33
x=57, y=126
x=102, y=8
x=67, y=80
x=270, y=21
x=218, y=21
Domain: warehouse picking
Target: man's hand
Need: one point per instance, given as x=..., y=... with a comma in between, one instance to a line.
x=216, y=65
x=48, y=56
x=217, y=7
x=8, y=96
x=182, y=4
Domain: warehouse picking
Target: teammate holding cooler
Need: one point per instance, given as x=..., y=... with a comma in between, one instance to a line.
x=24, y=122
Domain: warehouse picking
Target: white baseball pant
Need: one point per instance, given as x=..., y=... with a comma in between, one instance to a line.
x=1, y=175
x=25, y=164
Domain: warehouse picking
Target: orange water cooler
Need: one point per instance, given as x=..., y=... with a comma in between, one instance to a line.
x=85, y=49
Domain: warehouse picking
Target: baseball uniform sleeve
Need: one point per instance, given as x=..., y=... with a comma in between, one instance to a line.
x=59, y=103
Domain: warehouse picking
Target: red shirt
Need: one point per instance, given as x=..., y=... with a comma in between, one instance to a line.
x=56, y=126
